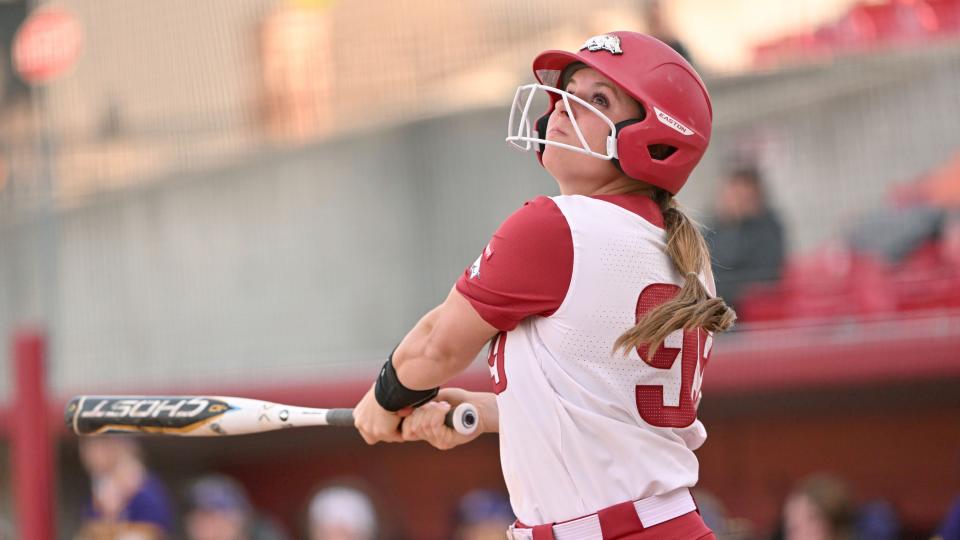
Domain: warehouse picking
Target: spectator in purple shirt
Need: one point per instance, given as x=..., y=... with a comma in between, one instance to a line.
x=126, y=500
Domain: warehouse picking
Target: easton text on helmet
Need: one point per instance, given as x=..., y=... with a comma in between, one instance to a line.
x=671, y=122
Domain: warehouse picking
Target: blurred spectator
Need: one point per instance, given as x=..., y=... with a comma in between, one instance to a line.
x=126, y=500
x=876, y=520
x=712, y=511
x=714, y=514
x=818, y=509
x=745, y=237
x=483, y=515
x=341, y=513
x=218, y=509
x=950, y=528
x=296, y=43
x=659, y=28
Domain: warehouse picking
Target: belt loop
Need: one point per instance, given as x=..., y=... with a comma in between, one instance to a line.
x=619, y=520
x=543, y=532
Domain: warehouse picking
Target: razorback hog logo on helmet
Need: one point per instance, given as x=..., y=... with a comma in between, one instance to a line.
x=603, y=43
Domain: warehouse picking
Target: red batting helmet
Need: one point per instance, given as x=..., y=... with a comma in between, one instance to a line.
x=678, y=111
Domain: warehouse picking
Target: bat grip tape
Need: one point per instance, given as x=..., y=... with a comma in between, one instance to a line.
x=340, y=417
x=344, y=418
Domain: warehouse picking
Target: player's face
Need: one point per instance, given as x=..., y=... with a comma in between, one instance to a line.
x=567, y=166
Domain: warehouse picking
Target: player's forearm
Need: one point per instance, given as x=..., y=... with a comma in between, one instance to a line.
x=422, y=361
x=442, y=344
x=410, y=352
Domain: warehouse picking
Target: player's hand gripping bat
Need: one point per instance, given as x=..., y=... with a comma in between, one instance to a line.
x=211, y=416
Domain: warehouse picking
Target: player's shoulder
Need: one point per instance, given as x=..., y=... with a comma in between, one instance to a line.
x=535, y=227
x=540, y=206
x=535, y=214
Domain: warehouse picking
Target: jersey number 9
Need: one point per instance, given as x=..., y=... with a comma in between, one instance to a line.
x=693, y=351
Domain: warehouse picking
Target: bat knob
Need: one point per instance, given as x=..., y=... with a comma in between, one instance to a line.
x=464, y=419
x=469, y=419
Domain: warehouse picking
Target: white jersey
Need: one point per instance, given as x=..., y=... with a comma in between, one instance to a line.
x=583, y=428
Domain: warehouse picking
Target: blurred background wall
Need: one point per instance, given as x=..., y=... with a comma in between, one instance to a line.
x=263, y=196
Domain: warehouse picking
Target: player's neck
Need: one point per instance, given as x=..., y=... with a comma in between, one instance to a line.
x=620, y=185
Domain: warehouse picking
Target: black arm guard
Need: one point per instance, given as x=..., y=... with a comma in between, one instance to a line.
x=393, y=396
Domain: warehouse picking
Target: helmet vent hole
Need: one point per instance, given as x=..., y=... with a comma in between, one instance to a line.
x=660, y=152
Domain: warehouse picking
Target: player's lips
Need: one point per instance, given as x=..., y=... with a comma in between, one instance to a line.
x=555, y=131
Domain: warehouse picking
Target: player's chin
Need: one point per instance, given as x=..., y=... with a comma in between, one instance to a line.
x=555, y=160
x=562, y=162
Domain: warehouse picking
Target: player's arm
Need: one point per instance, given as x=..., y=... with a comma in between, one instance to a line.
x=524, y=271
x=441, y=345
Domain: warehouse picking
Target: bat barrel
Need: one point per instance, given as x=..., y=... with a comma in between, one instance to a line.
x=169, y=415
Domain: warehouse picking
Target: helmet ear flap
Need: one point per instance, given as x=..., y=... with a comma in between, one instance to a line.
x=618, y=130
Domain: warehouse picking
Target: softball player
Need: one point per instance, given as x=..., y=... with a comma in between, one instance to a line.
x=598, y=304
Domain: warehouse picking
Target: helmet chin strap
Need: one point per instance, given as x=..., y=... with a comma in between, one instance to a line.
x=542, y=131
x=618, y=127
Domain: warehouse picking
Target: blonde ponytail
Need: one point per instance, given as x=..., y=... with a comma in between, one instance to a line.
x=692, y=307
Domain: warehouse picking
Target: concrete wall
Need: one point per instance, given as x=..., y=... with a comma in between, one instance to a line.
x=272, y=267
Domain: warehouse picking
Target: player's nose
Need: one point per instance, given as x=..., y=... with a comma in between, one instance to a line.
x=563, y=111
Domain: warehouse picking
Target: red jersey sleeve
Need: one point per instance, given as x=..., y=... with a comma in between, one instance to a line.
x=526, y=268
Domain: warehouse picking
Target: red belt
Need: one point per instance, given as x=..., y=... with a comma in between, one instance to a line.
x=612, y=522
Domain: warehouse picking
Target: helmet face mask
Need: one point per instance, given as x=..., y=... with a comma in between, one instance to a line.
x=661, y=149
x=524, y=135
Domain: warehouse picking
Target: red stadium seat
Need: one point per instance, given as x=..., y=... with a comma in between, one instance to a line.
x=867, y=26
x=835, y=282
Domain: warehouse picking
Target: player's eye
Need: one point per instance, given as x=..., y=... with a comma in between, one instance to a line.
x=600, y=99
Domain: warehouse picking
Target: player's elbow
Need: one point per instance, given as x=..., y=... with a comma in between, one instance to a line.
x=447, y=357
